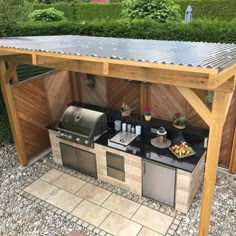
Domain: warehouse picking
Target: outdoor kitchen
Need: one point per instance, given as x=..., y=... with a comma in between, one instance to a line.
x=116, y=168
x=88, y=139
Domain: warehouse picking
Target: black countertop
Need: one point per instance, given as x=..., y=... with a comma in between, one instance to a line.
x=192, y=135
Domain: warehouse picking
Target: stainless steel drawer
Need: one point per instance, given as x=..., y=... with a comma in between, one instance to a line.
x=115, y=161
x=117, y=174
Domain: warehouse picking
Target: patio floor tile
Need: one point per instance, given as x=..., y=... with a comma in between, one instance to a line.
x=120, y=226
x=90, y=212
x=69, y=183
x=121, y=205
x=152, y=219
x=41, y=189
x=64, y=200
x=51, y=176
x=93, y=193
x=148, y=232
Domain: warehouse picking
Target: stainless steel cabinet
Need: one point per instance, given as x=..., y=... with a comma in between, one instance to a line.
x=159, y=182
x=115, y=166
x=78, y=159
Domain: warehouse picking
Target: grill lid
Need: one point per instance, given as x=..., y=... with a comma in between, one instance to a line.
x=82, y=121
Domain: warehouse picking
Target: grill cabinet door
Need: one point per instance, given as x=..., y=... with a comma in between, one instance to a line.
x=87, y=163
x=69, y=156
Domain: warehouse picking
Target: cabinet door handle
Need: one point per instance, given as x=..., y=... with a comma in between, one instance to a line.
x=144, y=168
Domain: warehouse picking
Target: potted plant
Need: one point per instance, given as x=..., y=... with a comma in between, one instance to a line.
x=125, y=110
x=179, y=121
x=148, y=113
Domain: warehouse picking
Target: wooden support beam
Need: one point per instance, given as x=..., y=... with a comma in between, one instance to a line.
x=228, y=100
x=145, y=100
x=13, y=118
x=158, y=74
x=10, y=71
x=226, y=74
x=196, y=103
x=214, y=144
x=232, y=165
x=18, y=58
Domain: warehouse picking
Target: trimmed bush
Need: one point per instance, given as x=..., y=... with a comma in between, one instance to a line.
x=47, y=15
x=210, y=9
x=200, y=30
x=162, y=10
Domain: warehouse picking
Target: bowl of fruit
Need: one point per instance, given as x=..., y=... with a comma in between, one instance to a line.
x=182, y=150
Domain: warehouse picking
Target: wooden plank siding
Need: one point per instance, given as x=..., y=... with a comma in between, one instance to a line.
x=32, y=110
x=38, y=103
x=58, y=92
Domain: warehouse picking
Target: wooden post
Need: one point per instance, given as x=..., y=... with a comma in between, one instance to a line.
x=232, y=165
x=214, y=143
x=14, y=122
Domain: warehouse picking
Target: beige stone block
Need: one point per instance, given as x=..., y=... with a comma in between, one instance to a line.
x=153, y=219
x=120, y=226
x=93, y=193
x=51, y=176
x=64, y=200
x=90, y=212
x=121, y=205
x=69, y=183
x=148, y=232
x=41, y=189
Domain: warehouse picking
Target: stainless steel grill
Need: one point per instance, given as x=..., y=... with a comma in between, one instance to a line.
x=81, y=125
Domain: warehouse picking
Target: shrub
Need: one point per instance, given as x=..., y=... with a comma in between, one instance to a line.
x=47, y=15
x=199, y=30
x=161, y=10
x=11, y=12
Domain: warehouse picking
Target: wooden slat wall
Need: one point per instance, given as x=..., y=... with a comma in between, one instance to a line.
x=38, y=103
x=58, y=93
x=95, y=96
x=120, y=91
x=32, y=110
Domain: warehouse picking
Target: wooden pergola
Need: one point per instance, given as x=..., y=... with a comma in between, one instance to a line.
x=184, y=77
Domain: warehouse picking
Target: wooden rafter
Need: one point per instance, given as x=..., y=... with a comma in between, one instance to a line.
x=215, y=135
x=14, y=121
x=226, y=75
x=197, y=104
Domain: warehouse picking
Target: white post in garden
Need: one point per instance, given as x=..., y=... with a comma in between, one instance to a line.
x=188, y=14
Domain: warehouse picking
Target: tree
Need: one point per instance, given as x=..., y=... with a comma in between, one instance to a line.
x=12, y=12
x=161, y=10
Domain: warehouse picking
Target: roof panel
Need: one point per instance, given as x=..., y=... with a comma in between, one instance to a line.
x=196, y=54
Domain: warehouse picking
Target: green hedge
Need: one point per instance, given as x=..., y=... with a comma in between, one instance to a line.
x=208, y=31
x=209, y=9
x=86, y=11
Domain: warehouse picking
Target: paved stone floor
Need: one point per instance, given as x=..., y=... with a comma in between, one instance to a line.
x=100, y=207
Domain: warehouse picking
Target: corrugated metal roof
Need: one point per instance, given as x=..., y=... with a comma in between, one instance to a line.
x=25, y=72
x=206, y=55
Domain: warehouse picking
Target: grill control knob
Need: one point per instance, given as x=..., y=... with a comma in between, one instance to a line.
x=69, y=136
x=86, y=142
x=77, y=139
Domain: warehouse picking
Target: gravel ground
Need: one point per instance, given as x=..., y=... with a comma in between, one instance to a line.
x=18, y=216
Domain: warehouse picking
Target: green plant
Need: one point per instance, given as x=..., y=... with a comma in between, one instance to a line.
x=209, y=98
x=161, y=10
x=124, y=108
x=11, y=12
x=47, y=15
x=179, y=119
